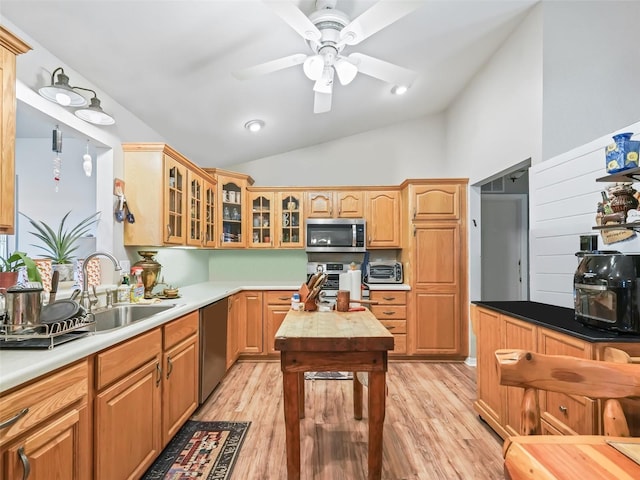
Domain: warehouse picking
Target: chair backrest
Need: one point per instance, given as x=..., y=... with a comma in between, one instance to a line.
x=595, y=379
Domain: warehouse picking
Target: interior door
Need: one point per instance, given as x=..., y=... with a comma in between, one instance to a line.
x=504, y=247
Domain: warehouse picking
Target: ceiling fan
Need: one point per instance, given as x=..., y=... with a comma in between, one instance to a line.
x=327, y=32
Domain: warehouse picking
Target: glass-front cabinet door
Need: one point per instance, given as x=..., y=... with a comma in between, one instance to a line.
x=195, y=200
x=232, y=215
x=174, y=200
x=290, y=220
x=262, y=219
x=209, y=217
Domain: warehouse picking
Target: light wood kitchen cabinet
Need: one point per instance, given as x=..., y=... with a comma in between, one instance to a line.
x=438, y=289
x=250, y=322
x=10, y=47
x=233, y=212
x=487, y=326
x=233, y=329
x=382, y=213
x=391, y=310
x=561, y=414
x=568, y=414
x=181, y=373
x=277, y=304
x=49, y=435
x=262, y=222
x=515, y=334
x=436, y=201
x=334, y=204
x=127, y=406
x=289, y=220
x=435, y=260
x=157, y=188
x=201, y=215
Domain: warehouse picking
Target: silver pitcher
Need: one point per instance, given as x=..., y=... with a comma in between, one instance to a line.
x=22, y=307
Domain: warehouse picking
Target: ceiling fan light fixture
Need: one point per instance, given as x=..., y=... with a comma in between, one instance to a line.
x=254, y=125
x=346, y=71
x=61, y=92
x=399, y=89
x=313, y=67
x=325, y=83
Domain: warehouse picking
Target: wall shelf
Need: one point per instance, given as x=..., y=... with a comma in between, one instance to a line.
x=619, y=226
x=630, y=175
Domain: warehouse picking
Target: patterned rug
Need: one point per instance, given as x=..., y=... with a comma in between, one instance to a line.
x=203, y=450
x=328, y=375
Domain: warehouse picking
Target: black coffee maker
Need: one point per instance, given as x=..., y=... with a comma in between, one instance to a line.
x=607, y=291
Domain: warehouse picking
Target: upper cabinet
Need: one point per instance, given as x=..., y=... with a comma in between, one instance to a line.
x=262, y=222
x=334, y=204
x=10, y=47
x=232, y=211
x=201, y=215
x=290, y=220
x=382, y=213
x=169, y=196
x=439, y=201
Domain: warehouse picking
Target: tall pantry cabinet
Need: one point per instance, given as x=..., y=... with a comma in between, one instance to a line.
x=10, y=47
x=436, y=266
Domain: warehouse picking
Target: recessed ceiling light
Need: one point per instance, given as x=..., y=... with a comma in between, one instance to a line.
x=254, y=125
x=399, y=89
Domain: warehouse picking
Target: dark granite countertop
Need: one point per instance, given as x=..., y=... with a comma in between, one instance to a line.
x=560, y=319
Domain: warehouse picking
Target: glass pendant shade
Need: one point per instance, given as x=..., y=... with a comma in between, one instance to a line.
x=94, y=114
x=61, y=92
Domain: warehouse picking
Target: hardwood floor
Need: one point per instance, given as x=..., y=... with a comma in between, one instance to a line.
x=431, y=431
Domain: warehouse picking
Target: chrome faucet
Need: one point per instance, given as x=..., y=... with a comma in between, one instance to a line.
x=84, y=298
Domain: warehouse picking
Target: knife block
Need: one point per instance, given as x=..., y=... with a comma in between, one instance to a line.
x=306, y=299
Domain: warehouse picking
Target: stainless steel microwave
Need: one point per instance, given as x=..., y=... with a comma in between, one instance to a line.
x=336, y=235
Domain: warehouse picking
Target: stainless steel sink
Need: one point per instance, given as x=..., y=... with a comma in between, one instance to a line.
x=123, y=315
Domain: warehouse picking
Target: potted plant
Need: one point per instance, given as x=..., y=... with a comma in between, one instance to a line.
x=60, y=244
x=10, y=265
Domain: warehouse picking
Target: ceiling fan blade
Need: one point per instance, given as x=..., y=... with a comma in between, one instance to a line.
x=322, y=102
x=379, y=16
x=388, y=72
x=297, y=20
x=272, y=66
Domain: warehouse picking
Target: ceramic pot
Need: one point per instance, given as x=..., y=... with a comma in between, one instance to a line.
x=623, y=200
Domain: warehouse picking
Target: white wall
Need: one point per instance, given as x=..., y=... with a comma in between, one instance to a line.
x=497, y=121
x=591, y=71
x=386, y=156
x=563, y=202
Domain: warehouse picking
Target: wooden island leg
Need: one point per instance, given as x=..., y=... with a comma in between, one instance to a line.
x=290, y=382
x=357, y=397
x=376, y=421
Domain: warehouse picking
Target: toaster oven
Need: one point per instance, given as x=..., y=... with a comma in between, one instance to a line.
x=384, y=272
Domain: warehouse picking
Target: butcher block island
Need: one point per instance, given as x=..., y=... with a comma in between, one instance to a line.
x=333, y=341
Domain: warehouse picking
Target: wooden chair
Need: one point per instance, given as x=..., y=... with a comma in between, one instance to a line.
x=595, y=379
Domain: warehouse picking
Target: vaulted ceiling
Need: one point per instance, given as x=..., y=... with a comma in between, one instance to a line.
x=171, y=63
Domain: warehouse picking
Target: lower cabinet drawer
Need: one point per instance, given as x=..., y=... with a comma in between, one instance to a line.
x=399, y=344
x=568, y=414
x=278, y=297
x=128, y=356
x=383, y=312
x=395, y=326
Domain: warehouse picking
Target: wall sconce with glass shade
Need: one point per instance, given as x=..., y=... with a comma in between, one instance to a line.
x=62, y=93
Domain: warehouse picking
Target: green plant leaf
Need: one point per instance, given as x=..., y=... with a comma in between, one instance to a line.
x=60, y=245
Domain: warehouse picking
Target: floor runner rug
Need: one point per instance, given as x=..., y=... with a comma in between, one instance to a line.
x=328, y=376
x=203, y=450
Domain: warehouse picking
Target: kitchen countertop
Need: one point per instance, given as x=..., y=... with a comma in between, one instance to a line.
x=21, y=365
x=556, y=318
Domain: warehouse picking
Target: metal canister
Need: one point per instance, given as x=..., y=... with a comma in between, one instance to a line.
x=150, y=271
x=22, y=307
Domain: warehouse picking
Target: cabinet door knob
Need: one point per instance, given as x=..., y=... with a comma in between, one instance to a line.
x=563, y=409
x=158, y=374
x=169, y=367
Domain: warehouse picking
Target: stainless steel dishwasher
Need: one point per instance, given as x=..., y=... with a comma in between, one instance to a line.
x=213, y=346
